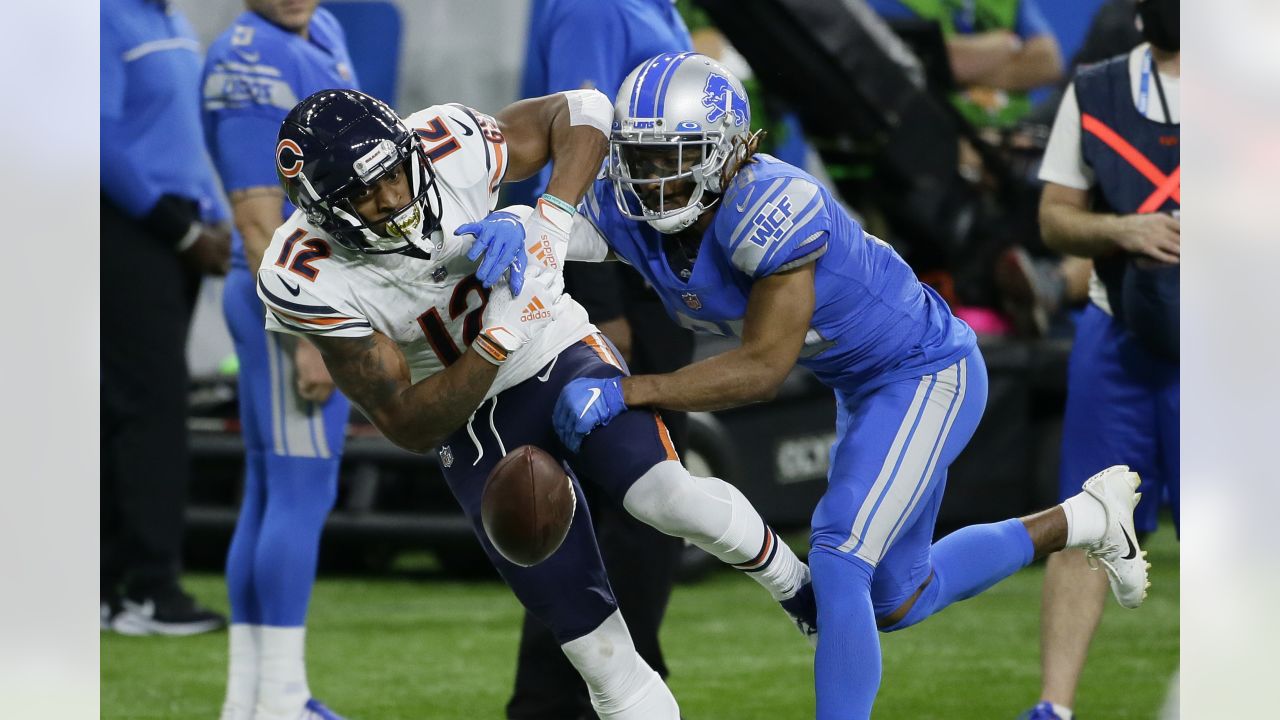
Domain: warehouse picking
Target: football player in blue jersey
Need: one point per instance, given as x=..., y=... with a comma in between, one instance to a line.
x=293, y=420
x=740, y=244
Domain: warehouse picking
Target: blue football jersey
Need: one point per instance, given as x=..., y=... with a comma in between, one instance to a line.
x=254, y=74
x=873, y=321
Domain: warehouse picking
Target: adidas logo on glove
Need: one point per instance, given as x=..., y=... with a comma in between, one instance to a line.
x=535, y=311
x=541, y=250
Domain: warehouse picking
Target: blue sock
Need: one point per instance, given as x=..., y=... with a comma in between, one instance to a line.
x=301, y=494
x=846, y=667
x=968, y=561
x=244, y=542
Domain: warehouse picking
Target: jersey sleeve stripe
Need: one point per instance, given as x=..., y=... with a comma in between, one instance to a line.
x=500, y=170
x=745, y=222
x=811, y=256
x=488, y=161
x=303, y=325
x=318, y=322
x=296, y=307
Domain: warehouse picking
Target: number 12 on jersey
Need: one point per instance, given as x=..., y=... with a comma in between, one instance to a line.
x=316, y=250
x=437, y=330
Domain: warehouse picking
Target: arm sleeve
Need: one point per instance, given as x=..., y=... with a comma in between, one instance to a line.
x=1063, y=163
x=306, y=312
x=110, y=74
x=214, y=207
x=586, y=241
x=586, y=49
x=773, y=225
x=120, y=178
x=1030, y=21
x=598, y=287
x=246, y=150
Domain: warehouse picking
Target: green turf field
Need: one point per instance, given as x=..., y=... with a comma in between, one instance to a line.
x=416, y=647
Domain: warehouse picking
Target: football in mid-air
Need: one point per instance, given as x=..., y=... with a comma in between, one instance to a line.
x=527, y=505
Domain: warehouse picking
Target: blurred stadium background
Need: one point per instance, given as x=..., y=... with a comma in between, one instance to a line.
x=407, y=614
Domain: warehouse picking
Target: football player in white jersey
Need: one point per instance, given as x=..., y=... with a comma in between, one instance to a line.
x=376, y=268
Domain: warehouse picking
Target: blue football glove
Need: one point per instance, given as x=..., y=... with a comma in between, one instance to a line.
x=500, y=237
x=585, y=404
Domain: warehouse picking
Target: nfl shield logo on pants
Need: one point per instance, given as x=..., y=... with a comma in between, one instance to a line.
x=691, y=299
x=446, y=456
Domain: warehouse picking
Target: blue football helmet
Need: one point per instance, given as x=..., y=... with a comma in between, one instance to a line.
x=678, y=119
x=336, y=142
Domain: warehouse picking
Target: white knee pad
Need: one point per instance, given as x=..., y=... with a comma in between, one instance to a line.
x=621, y=685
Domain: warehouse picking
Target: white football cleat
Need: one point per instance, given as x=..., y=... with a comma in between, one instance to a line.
x=1118, y=552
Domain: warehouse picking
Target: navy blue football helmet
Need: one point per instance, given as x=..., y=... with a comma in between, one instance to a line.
x=337, y=142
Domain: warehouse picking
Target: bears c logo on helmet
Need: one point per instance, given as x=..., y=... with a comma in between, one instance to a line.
x=289, y=158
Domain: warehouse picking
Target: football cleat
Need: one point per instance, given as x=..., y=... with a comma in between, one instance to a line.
x=802, y=608
x=316, y=710
x=1042, y=711
x=168, y=612
x=1118, y=552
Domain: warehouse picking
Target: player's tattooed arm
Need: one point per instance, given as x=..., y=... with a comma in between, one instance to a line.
x=539, y=130
x=372, y=372
x=779, y=311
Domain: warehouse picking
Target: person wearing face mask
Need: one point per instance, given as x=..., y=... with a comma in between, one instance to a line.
x=1113, y=194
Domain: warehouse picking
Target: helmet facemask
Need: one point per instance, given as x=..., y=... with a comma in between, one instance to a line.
x=408, y=229
x=663, y=178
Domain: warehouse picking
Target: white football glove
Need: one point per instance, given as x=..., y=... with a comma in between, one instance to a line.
x=546, y=233
x=510, y=320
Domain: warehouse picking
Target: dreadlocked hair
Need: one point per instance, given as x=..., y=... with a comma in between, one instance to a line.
x=743, y=149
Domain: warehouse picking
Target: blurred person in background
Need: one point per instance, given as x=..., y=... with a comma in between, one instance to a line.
x=1113, y=30
x=998, y=50
x=163, y=226
x=293, y=421
x=740, y=244
x=1113, y=193
x=1036, y=288
x=576, y=44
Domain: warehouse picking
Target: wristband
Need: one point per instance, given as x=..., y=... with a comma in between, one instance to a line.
x=193, y=234
x=172, y=218
x=557, y=202
x=496, y=344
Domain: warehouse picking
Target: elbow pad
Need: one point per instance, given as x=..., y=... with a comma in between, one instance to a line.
x=589, y=107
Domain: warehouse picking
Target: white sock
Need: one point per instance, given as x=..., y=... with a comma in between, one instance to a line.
x=1086, y=520
x=621, y=685
x=242, y=672
x=1062, y=712
x=282, y=683
x=718, y=518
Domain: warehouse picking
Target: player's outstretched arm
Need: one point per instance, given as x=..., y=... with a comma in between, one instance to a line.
x=778, y=315
x=779, y=311
x=373, y=374
x=569, y=129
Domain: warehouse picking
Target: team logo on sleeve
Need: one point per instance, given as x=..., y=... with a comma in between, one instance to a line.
x=723, y=100
x=692, y=300
x=289, y=158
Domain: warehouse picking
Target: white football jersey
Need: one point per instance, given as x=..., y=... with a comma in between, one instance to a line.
x=432, y=309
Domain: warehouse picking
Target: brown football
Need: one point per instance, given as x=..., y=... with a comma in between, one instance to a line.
x=527, y=505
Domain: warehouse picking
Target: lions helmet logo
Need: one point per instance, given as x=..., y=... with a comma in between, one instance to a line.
x=723, y=100
x=289, y=158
